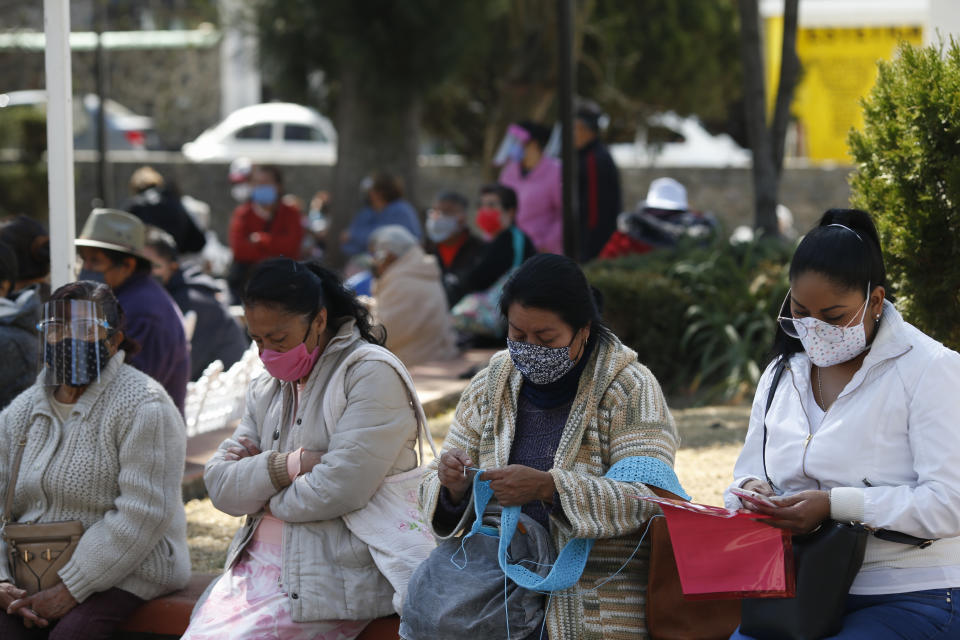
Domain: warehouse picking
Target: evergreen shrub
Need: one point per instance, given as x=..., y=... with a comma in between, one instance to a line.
x=908, y=176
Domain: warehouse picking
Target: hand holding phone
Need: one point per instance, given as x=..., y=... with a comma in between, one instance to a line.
x=753, y=497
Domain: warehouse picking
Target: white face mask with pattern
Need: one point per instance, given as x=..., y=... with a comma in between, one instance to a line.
x=827, y=344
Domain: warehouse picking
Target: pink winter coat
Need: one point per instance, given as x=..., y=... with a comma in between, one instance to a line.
x=539, y=202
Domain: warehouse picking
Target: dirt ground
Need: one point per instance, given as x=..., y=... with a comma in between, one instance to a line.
x=711, y=440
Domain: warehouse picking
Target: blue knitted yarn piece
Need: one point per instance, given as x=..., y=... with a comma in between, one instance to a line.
x=572, y=559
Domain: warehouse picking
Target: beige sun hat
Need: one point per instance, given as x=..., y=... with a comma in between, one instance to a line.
x=114, y=230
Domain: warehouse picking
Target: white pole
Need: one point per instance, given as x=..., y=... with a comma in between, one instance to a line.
x=63, y=226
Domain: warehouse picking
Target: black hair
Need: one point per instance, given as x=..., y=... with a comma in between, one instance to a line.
x=31, y=244
x=118, y=258
x=507, y=196
x=272, y=169
x=163, y=243
x=389, y=187
x=9, y=272
x=454, y=198
x=589, y=116
x=303, y=288
x=845, y=248
x=538, y=132
x=556, y=283
x=102, y=294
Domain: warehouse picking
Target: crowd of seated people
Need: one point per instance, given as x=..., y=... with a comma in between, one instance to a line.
x=853, y=419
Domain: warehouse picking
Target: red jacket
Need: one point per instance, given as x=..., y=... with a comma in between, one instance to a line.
x=280, y=236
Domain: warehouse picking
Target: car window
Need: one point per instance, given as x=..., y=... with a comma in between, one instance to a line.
x=254, y=132
x=303, y=133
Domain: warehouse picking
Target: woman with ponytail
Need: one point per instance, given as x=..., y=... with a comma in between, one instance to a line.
x=856, y=420
x=567, y=424
x=295, y=569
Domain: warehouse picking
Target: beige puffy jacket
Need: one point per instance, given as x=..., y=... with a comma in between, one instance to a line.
x=412, y=306
x=327, y=573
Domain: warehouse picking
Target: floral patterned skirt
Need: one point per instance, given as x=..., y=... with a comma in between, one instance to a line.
x=247, y=603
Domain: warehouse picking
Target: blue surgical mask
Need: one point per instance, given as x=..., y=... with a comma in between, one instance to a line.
x=441, y=228
x=90, y=274
x=264, y=194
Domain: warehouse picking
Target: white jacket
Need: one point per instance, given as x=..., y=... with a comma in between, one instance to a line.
x=328, y=573
x=412, y=307
x=888, y=450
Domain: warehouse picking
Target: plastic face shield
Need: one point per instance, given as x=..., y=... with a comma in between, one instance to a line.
x=511, y=147
x=72, y=342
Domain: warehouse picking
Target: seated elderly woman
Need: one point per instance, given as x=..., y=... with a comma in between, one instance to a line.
x=569, y=425
x=94, y=449
x=410, y=301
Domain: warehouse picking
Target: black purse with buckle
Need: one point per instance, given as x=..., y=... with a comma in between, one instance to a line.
x=827, y=561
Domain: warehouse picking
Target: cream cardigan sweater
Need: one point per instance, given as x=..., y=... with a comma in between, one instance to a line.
x=619, y=412
x=117, y=468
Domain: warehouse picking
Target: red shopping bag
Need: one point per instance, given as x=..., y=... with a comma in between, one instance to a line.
x=722, y=553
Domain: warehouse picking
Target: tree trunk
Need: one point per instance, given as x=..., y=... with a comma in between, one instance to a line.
x=789, y=70
x=765, y=178
x=373, y=134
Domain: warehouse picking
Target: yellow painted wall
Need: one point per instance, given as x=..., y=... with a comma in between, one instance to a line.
x=838, y=67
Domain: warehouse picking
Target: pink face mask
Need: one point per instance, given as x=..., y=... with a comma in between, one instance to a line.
x=291, y=365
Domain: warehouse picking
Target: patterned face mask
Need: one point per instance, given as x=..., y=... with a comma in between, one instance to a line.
x=824, y=343
x=538, y=364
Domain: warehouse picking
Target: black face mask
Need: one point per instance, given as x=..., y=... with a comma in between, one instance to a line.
x=77, y=362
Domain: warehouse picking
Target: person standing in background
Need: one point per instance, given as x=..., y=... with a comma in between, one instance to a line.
x=265, y=227
x=537, y=180
x=599, y=184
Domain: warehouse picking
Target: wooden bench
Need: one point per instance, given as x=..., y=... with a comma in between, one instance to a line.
x=170, y=615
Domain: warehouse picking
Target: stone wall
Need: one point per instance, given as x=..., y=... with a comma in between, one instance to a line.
x=179, y=88
x=808, y=192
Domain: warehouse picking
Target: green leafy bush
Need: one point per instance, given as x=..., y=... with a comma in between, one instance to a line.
x=908, y=177
x=701, y=318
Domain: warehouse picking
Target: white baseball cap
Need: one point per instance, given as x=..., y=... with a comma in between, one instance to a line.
x=666, y=193
x=240, y=170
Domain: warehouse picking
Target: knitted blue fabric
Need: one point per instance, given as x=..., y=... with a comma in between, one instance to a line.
x=572, y=559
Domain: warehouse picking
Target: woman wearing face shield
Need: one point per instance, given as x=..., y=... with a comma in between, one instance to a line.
x=103, y=444
x=296, y=569
x=862, y=428
x=569, y=425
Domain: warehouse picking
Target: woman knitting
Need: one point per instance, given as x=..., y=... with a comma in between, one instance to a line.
x=546, y=421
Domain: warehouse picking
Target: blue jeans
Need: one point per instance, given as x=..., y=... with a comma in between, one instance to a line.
x=919, y=615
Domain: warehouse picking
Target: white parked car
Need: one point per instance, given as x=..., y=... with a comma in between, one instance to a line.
x=679, y=142
x=274, y=132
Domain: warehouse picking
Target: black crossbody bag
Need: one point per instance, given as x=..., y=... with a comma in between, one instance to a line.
x=826, y=562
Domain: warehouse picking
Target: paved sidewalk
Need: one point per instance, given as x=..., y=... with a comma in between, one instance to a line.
x=438, y=384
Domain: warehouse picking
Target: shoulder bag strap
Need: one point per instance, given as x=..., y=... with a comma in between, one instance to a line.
x=519, y=244
x=777, y=374
x=12, y=485
x=883, y=534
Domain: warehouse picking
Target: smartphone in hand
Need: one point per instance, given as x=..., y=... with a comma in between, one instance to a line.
x=754, y=497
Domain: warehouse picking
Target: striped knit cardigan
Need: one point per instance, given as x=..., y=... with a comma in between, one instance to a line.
x=619, y=412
